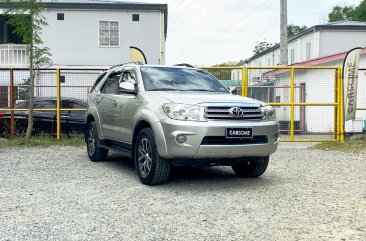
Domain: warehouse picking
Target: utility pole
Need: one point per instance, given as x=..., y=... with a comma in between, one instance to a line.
x=283, y=37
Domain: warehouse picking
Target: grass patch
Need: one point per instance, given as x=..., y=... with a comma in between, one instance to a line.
x=76, y=140
x=348, y=146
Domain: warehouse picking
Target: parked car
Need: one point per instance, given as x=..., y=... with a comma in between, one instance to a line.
x=164, y=116
x=45, y=121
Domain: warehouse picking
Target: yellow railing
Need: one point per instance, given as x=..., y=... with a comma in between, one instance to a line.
x=246, y=78
x=336, y=83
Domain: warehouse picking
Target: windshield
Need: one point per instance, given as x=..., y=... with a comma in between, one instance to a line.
x=180, y=79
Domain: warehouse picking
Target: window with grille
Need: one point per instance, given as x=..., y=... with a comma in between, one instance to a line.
x=108, y=33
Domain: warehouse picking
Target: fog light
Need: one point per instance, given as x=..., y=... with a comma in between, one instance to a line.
x=181, y=139
x=276, y=137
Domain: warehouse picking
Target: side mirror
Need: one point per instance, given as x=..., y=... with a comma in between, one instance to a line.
x=127, y=87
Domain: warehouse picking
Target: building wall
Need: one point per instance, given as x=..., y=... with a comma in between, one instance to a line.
x=75, y=40
x=332, y=41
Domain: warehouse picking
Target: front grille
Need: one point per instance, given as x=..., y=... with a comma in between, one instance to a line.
x=222, y=140
x=224, y=113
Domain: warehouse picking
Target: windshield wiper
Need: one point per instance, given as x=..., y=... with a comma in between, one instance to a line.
x=163, y=89
x=200, y=90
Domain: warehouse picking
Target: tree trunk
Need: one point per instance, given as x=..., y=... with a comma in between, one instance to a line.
x=31, y=82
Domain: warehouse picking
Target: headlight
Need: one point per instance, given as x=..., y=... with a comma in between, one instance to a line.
x=269, y=113
x=185, y=112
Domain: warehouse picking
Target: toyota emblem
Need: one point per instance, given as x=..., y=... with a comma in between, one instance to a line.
x=236, y=112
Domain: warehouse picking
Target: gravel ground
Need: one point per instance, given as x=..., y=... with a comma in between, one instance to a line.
x=57, y=194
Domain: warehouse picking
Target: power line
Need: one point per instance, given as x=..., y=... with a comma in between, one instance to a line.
x=230, y=26
x=263, y=34
x=236, y=35
x=180, y=14
x=177, y=7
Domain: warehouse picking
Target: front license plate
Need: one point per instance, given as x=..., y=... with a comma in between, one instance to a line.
x=239, y=133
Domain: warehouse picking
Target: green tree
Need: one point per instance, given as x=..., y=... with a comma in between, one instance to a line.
x=26, y=17
x=359, y=12
x=261, y=46
x=340, y=13
x=293, y=29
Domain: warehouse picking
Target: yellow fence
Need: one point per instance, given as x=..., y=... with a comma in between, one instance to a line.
x=60, y=100
x=308, y=100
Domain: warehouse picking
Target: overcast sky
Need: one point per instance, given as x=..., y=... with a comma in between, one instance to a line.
x=216, y=31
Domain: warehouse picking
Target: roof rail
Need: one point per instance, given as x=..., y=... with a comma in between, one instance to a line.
x=118, y=65
x=137, y=62
x=131, y=62
x=185, y=65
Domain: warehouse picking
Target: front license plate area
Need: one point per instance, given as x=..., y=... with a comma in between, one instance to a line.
x=239, y=133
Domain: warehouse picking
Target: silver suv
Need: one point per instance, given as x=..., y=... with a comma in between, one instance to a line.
x=164, y=116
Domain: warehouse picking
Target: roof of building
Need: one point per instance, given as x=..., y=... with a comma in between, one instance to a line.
x=326, y=59
x=340, y=25
x=105, y=5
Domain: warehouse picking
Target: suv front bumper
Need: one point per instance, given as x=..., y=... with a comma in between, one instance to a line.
x=264, y=142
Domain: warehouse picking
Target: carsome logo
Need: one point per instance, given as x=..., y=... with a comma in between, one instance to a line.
x=236, y=112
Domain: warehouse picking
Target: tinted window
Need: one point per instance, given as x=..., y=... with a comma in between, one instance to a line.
x=180, y=79
x=110, y=86
x=98, y=80
x=128, y=77
x=45, y=104
x=66, y=104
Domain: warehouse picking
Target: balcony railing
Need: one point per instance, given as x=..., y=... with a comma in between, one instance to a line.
x=14, y=55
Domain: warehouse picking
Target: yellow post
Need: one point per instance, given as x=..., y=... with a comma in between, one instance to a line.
x=292, y=100
x=336, y=100
x=244, y=81
x=340, y=105
x=58, y=104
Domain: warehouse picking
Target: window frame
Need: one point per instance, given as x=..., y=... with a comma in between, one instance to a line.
x=119, y=36
x=292, y=56
x=308, y=51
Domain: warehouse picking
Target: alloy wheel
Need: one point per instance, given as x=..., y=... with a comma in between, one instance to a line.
x=144, y=157
x=91, y=142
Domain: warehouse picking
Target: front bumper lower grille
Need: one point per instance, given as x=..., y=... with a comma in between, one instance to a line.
x=222, y=140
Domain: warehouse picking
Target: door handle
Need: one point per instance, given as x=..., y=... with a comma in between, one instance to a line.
x=97, y=101
x=114, y=103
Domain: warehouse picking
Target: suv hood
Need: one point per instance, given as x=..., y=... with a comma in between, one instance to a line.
x=193, y=98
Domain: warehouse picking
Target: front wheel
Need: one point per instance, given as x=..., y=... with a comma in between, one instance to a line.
x=252, y=168
x=150, y=167
x=95, y=151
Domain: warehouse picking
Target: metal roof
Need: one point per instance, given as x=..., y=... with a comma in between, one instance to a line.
x=105, y=5
x=341, y=25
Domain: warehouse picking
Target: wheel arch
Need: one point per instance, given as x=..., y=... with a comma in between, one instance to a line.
x=142, y=124
x=158, y=135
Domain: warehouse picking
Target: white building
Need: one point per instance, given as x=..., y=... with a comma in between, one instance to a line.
x=86, y=35
x=92, y=33
x=321, y=45
x=315, y=42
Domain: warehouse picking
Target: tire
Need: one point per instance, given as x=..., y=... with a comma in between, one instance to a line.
x=151, y=168
x=20, y=131
x=251, y=169
x=95, y=152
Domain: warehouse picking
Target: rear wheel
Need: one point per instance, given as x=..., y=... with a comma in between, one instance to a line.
x=251, y=168
x=20, y=131
x=150, y=167
x=95, y=152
